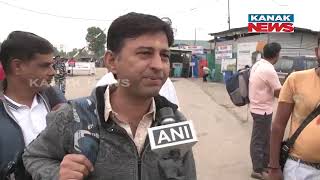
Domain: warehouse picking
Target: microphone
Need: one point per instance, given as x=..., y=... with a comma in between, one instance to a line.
x=166, y=115
x=171, y=135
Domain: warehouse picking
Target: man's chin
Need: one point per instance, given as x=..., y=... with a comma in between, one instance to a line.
x=151, y=92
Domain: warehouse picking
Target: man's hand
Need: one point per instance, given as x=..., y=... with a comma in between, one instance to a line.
x=75, y=167
x=275, y=174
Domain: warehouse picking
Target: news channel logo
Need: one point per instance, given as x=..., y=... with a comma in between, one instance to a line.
x=270, y=23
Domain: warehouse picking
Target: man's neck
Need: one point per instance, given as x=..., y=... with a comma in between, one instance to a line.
x=20, y=94
x=271, y=61
x=130, y=109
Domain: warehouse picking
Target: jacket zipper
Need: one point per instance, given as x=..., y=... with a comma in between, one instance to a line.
x=139, y=162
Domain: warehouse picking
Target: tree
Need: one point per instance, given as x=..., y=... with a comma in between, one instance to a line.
x=96, y=40
x=61, y=53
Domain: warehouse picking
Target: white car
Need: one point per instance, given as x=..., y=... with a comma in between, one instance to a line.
x=83, y=66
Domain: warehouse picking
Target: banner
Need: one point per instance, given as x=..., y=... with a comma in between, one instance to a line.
x=249, y=53
x=224, y=52
x=229, y=65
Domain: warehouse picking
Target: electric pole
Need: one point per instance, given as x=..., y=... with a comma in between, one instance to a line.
x=229, y=14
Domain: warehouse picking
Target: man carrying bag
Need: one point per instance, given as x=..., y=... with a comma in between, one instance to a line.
x=299, y=98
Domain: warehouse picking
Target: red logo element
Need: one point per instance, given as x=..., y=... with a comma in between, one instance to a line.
x=266, y=27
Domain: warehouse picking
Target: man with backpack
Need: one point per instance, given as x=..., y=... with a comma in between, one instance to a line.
x=264, y=86
x=104, y=136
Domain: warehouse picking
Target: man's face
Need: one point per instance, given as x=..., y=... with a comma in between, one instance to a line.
x=143, y=64
x=38, y=72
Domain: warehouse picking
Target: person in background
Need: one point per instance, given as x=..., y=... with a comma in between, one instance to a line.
x=60, y=74
x=206, y=72
x=264, y=87
x=27, y=98
x=298, y=98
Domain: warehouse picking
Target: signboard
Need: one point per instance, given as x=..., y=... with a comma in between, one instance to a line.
x=249, y=53
x=224, y=52
x=194, y=49
x=174, y=135
x=228, y=65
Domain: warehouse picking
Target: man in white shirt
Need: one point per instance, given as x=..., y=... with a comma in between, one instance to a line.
x=167, y=90
x=27, y=62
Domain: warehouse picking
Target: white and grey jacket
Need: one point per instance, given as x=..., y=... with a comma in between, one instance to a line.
x=117, y=157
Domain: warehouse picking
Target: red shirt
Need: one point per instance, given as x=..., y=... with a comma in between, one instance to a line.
x=2, y=75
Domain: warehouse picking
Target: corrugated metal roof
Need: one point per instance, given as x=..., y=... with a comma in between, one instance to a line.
x=244, y=30
x=202, y=43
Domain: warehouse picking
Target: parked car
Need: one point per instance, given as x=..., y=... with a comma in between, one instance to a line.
x=81, y=66
x=288, y=64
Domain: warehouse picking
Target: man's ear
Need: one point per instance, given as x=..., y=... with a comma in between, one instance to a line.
x=16, y=67
x=110, y=61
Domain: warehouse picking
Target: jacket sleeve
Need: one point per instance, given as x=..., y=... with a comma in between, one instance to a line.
x=189, y=167
x=43, y=156
x=55, y=96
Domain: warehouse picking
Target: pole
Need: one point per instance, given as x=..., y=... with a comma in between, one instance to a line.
x=229, y=14
x=195, y=36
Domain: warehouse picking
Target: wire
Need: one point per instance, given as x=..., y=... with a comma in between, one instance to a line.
x=284, y=5
x=49, y=14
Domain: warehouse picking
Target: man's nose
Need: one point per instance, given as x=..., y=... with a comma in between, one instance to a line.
x=156, y=62
x=52, y=71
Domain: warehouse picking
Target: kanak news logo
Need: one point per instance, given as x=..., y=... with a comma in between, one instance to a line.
x=265, y=23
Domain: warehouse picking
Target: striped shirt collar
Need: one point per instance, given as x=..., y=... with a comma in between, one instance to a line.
x=14, y=105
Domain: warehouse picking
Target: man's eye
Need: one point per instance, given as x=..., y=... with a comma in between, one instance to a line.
x=44, y=65
x=166, y=55
x=144, y=53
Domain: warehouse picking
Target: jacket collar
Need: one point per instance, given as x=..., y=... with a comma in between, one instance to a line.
x=97, y=96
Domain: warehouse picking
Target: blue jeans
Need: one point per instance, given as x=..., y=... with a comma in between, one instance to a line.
x=294, y=170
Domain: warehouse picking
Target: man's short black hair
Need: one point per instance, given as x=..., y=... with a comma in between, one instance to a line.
x=271, y=50
x=24, y=46
x=133, y=25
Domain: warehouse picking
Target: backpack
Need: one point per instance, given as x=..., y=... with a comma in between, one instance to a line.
x=238, y=87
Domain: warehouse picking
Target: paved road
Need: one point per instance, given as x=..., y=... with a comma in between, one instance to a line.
x=222, y=152
x=223, y=149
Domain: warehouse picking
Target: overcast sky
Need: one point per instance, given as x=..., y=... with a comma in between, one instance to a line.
x=206, y=16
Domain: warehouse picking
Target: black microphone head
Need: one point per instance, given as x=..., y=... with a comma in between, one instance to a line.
x=166, y=115
x=166, y=112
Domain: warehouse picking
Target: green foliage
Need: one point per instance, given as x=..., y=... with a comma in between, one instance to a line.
x=96, y=40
